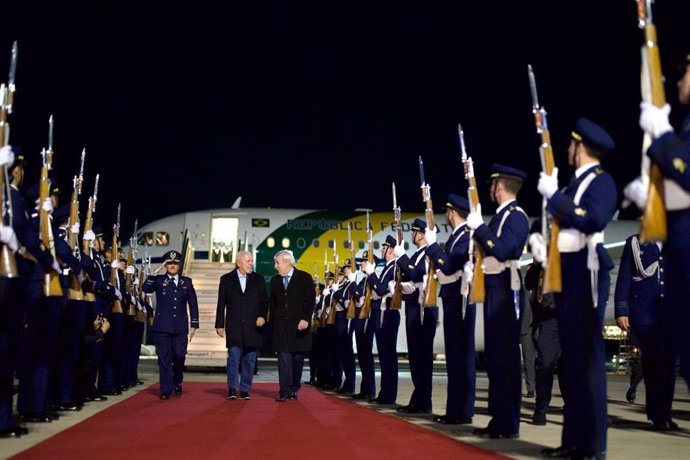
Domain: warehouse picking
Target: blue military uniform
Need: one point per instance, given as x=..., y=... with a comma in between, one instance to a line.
x=420, y=325
x=364, y=338
x=458, y=330
x=171, y=323
x=503, y=240
x=386, y=324
x=344, y=334
x=583, y=209
x=640, y=297
x=671, y=153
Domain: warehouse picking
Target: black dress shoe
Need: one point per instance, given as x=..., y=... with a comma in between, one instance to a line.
x=538, y=419
x=165, y=396
x=70, y=407
x=178, y=390
x=53, y=415
x=293, y=396
x=138, y=382
x=373, y=399
x=530, y=394
x=448, y=420
x=232, y=394
x=558, y=452
x=245, y=395
x=493, y=434
x=97, y=398
x=364, y=396
x=35, y=418
x=343, y=391
x=14, y=431
x=630, y=395
x=282, y=398
x=660, y=426
x=112, y=393
x=673, y=426
x=410, y=409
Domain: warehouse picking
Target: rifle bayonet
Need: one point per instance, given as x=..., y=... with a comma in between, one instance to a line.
x=11, y=87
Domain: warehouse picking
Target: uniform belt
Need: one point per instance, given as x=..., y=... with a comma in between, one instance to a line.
x=675, y=197
x=571, y=240
x=447, y=279
x=492, y=266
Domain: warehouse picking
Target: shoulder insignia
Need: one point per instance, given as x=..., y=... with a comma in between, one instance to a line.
x=680, y=165
x=580, y=212
x=440, y=261
x=490, y=244
x=598, y=171
x=512, y=208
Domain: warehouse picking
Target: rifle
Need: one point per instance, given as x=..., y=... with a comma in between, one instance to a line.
x=74, y=289
x=8, y=263
x=331, y=314
x=653, y=224
x=352, y=304
x=129, y=278
x=146, y=271
x=553, y=281
x=51, y=279
x=317, y=293
x=430, y=289
x=365, y=312
x=114, y=256
x=322, y=318
x=396, y=300
x=89, y=295
x=475, y=252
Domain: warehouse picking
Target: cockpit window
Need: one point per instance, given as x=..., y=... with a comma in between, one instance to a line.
x=162, y=239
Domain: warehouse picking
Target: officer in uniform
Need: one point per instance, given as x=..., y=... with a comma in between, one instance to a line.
x=172, y=323
x=458, y=316
x=583, y=209
x=671, y=153
x=386, y=323
x=640, y=305
x=502, y=240
x=420, y=321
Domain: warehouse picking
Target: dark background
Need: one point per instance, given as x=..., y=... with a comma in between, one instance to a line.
x=186, y=105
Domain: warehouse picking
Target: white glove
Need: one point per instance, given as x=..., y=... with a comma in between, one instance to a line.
x=351, y=276
x=115, y=264
x=132, y=299
x=538, y=247
x=398, y=250
x=89, y=235
x=326, y=291
x=474, y=219
x=636, y=191
x=548, y=184
x=391, y=286
x=130, y=270
x=468, y=272
x=118, y=294
x=369, y=268
x=56, y=266
x=6, y=156
x=47, y=205
x=335, y=286
x=430, y=235
x=654, y=120
x=8, y=237
x=74, y=229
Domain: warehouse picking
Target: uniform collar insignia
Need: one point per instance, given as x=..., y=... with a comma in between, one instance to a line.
x=680, y=165
x=490, y=244
x=580, y=212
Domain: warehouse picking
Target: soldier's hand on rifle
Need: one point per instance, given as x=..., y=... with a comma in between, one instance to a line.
x=220, y=331
x=398, y=250
x=75, y=228
x=192, y=331
x=260, y=321
x=118, y=294
x=6, y=156
x=368, y=268
x=548, y=183
x=474, y=219
x=89, y=235
x=636, y=191
x=8, y=237
x=130, y=270
x=430, y=235
x=115, y=264
x=537, y=247
x=351, y=276
x=326, y=291
x=468, y=272
x=391, y=286
x=654, y=120
x=335, y=287
x=47, y=205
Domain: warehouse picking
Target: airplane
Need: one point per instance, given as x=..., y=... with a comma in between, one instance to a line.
x=217, y=235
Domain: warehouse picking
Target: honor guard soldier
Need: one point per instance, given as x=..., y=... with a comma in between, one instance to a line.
x=364, y=338
x=671, y=153
x=325, y=340
x=502, y=240
x=386, y=323
x=583, y=208
x=172, y=323
x=342, y=330
x=420, y=321
x=640, y=306
x=458, y=319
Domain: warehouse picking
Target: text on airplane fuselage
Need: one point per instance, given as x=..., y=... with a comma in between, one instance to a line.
x=332, y=224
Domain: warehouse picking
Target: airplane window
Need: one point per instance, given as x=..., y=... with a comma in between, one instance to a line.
x=376, y=245
x=285, y=242
x=270, y=242
x=162, y=239
x=316, y=243
x=301, y=243
x=406, y=245
x=145, y=238
x=361, y=245
x=331, y=243
x=346, y=244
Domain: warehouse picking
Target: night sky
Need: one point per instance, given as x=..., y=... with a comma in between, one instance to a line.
x=187, y=105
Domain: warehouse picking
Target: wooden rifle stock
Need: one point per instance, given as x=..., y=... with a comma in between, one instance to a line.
x=8, y=263
x=74, y=289
x=114, y=280
x=653, y=224
x=352, y=304
x=553, y=280
x=51, y=279
x=88, y=284
x=365, y=312
x=431, y=288
x=129, y=283
x=396, y=300
x=330, y=320
x=477, y=288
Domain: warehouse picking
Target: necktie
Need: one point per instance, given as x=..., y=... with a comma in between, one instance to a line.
x=286, y=280
x=172, y=280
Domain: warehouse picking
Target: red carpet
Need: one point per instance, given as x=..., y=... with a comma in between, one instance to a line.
x=203, y=424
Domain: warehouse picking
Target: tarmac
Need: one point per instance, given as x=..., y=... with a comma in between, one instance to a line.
x=629, y=436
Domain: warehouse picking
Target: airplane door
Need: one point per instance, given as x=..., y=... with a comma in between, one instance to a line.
x=197, y=223
x=224, y=239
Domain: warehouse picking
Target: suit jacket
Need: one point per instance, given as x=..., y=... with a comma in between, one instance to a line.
x=171, y=304
x=288, y=307
x=237, y=311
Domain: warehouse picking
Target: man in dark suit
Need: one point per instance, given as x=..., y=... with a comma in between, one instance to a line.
x=171, y=324
x=242, y=307
x=291, y=306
